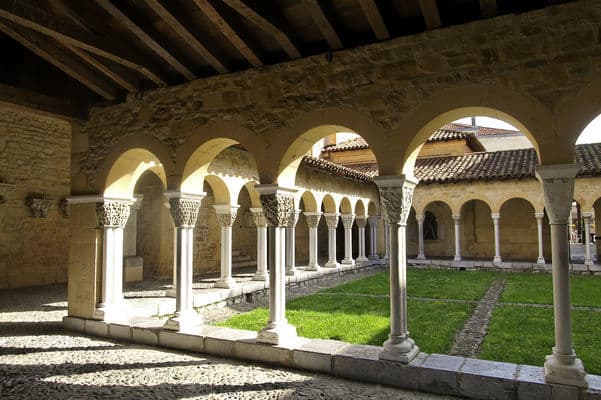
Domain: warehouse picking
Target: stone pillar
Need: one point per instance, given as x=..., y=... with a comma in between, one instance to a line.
x=373, y=237
x=278, y=206
x=587, y=216
x=361, y=224
x=133, y=265
x=420, y=236
x=332, y=222
x=291, y=243
x=112, y=216
x=539, y=223
x=347, y=221
x=226, y=215
x=495, y=221
x=184, y=212
x=457, y=221
x=557, y=182
x=386, y=242
x=261, y=223
x=396, y=194
x=313, y=222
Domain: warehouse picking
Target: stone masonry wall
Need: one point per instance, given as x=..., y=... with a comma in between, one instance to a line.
x=35, y=157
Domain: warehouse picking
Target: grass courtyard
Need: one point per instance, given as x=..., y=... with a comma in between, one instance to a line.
x=440, y=301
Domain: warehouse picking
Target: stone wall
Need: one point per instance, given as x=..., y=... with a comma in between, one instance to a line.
x=35, y=157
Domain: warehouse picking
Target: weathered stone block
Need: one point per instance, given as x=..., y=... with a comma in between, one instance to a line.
x=440, y=374
x=74, y=324
x=249, y=349
x=315, y=354
x=96, y=328
x=147, y=336
x=181, y=341
x=487, y=379
x=531, y=383
x=358, y=362
x=221, y=341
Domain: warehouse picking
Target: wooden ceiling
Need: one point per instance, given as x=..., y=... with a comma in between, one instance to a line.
x=84, y=52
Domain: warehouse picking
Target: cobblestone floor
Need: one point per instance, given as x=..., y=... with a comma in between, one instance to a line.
x=39, y=360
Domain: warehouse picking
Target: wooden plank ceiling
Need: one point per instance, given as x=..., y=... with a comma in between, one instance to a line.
x=95, y=51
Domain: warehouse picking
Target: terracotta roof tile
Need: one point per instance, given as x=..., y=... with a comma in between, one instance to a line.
x=482, y=130
x=330, y=167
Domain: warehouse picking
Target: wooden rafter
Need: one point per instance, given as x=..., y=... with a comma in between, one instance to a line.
x=431, y=13
x=278, y=33
x=145, y=38
x=40, y=103
x=324, y=25
x=62, y=8
x=370, y=9
x=14, y=12
x=488, y=8
x=178, y=28
x=228, y=32
x=45, y=49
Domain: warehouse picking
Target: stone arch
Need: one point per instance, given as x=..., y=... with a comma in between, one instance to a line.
x=345, y=206
x=477, y=229
x=220, y=189
x=309, y=201
x=360, y=209
x=329, y=204
x=443, y=244
x=372, y=208
x=518, y=229
x=490, y=204
x=255, y=199
x=518, y=198
x=576, y=112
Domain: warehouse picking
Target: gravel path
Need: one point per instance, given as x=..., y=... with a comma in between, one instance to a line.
x=39, y=360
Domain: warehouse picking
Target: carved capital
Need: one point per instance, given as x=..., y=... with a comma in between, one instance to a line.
x=420, y=218
x=361, y=221
x=557, y=182
x=184, y=208
x=258, y=217
x=332, y=220
x=294, y=218
x=277, y=203
x=374, y=220
x=313, y=219
x=396, y=195
x=539, y=215
x=347, y=220
x=587, y=215
x=495, y=216
x=39, y=206
x=113, y=213
x=226, y=214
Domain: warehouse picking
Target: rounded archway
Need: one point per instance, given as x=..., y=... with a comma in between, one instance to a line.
x=477, y=235
x=439, y=240
x=518, y=230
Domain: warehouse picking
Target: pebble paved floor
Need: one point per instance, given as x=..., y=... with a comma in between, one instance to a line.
x=39, y=360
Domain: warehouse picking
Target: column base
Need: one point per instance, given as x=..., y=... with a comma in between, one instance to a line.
x=457, y=258
x=281, y=333
x=362, y=259
x=399, y=348
x=314, y=267
x=347, y=262
x=226, y=283
x=421, y=257
x=261, y=276
x=118, y=312
x=184, y=322
x=565, y=370
x=496, y=259
x=290, y=271
x=588, y=262
x=540, y=260
x=171, y=291
x=330, y=264
x=374, y=257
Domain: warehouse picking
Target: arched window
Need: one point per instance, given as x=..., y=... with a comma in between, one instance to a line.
x=430, y=226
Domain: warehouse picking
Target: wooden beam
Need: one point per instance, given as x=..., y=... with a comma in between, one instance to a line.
x=324, y=25
x=370, y=9
x=51, y=53
x=178, y=28
x=145, y=38
x=61, y=8
x=488, y=8
x=278, y=33
x=11, y=96
x=18, y=14
x=228, y=32
x=431, y=13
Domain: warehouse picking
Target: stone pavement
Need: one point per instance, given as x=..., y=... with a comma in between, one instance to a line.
x=39, y=359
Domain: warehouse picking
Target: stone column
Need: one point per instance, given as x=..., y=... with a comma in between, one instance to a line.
x=112, y=216
x=133, y=265
x=386, y=242
x=313, y=222
x=587, y=216
x=347, y=221
x=261, y=223
x=373, y=237
x=539, y=223
x=226, y=215
x=361, y=224
x=420, y=236
x=332, y=222
x=495, y=221
x=184, y=212
x=278, y=206
x=291, y=243
x=396, y=194
x=457, y=221
x=557, y=183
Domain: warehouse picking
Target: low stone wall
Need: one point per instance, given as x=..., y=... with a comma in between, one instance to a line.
x=509, y=266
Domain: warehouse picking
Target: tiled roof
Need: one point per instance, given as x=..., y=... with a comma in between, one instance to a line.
x=330, y=167
x=482, y=130
x=357, y=143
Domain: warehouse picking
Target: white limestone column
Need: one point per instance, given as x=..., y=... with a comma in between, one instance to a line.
x=112, y=216
x=557, y=181
x=347, y=221
x=539, y=224
x=226, y=215
x=313, y=222
x=278, y=206
x=373, y=237
x=457, y=221
x=184, y=212
x=386, y=242
x=420, y=236
x=495, y=221
x=396, y=195
x=361, y=224
x=291, y=243
x=332, y=222
x=261, y=223
x=587, y=216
